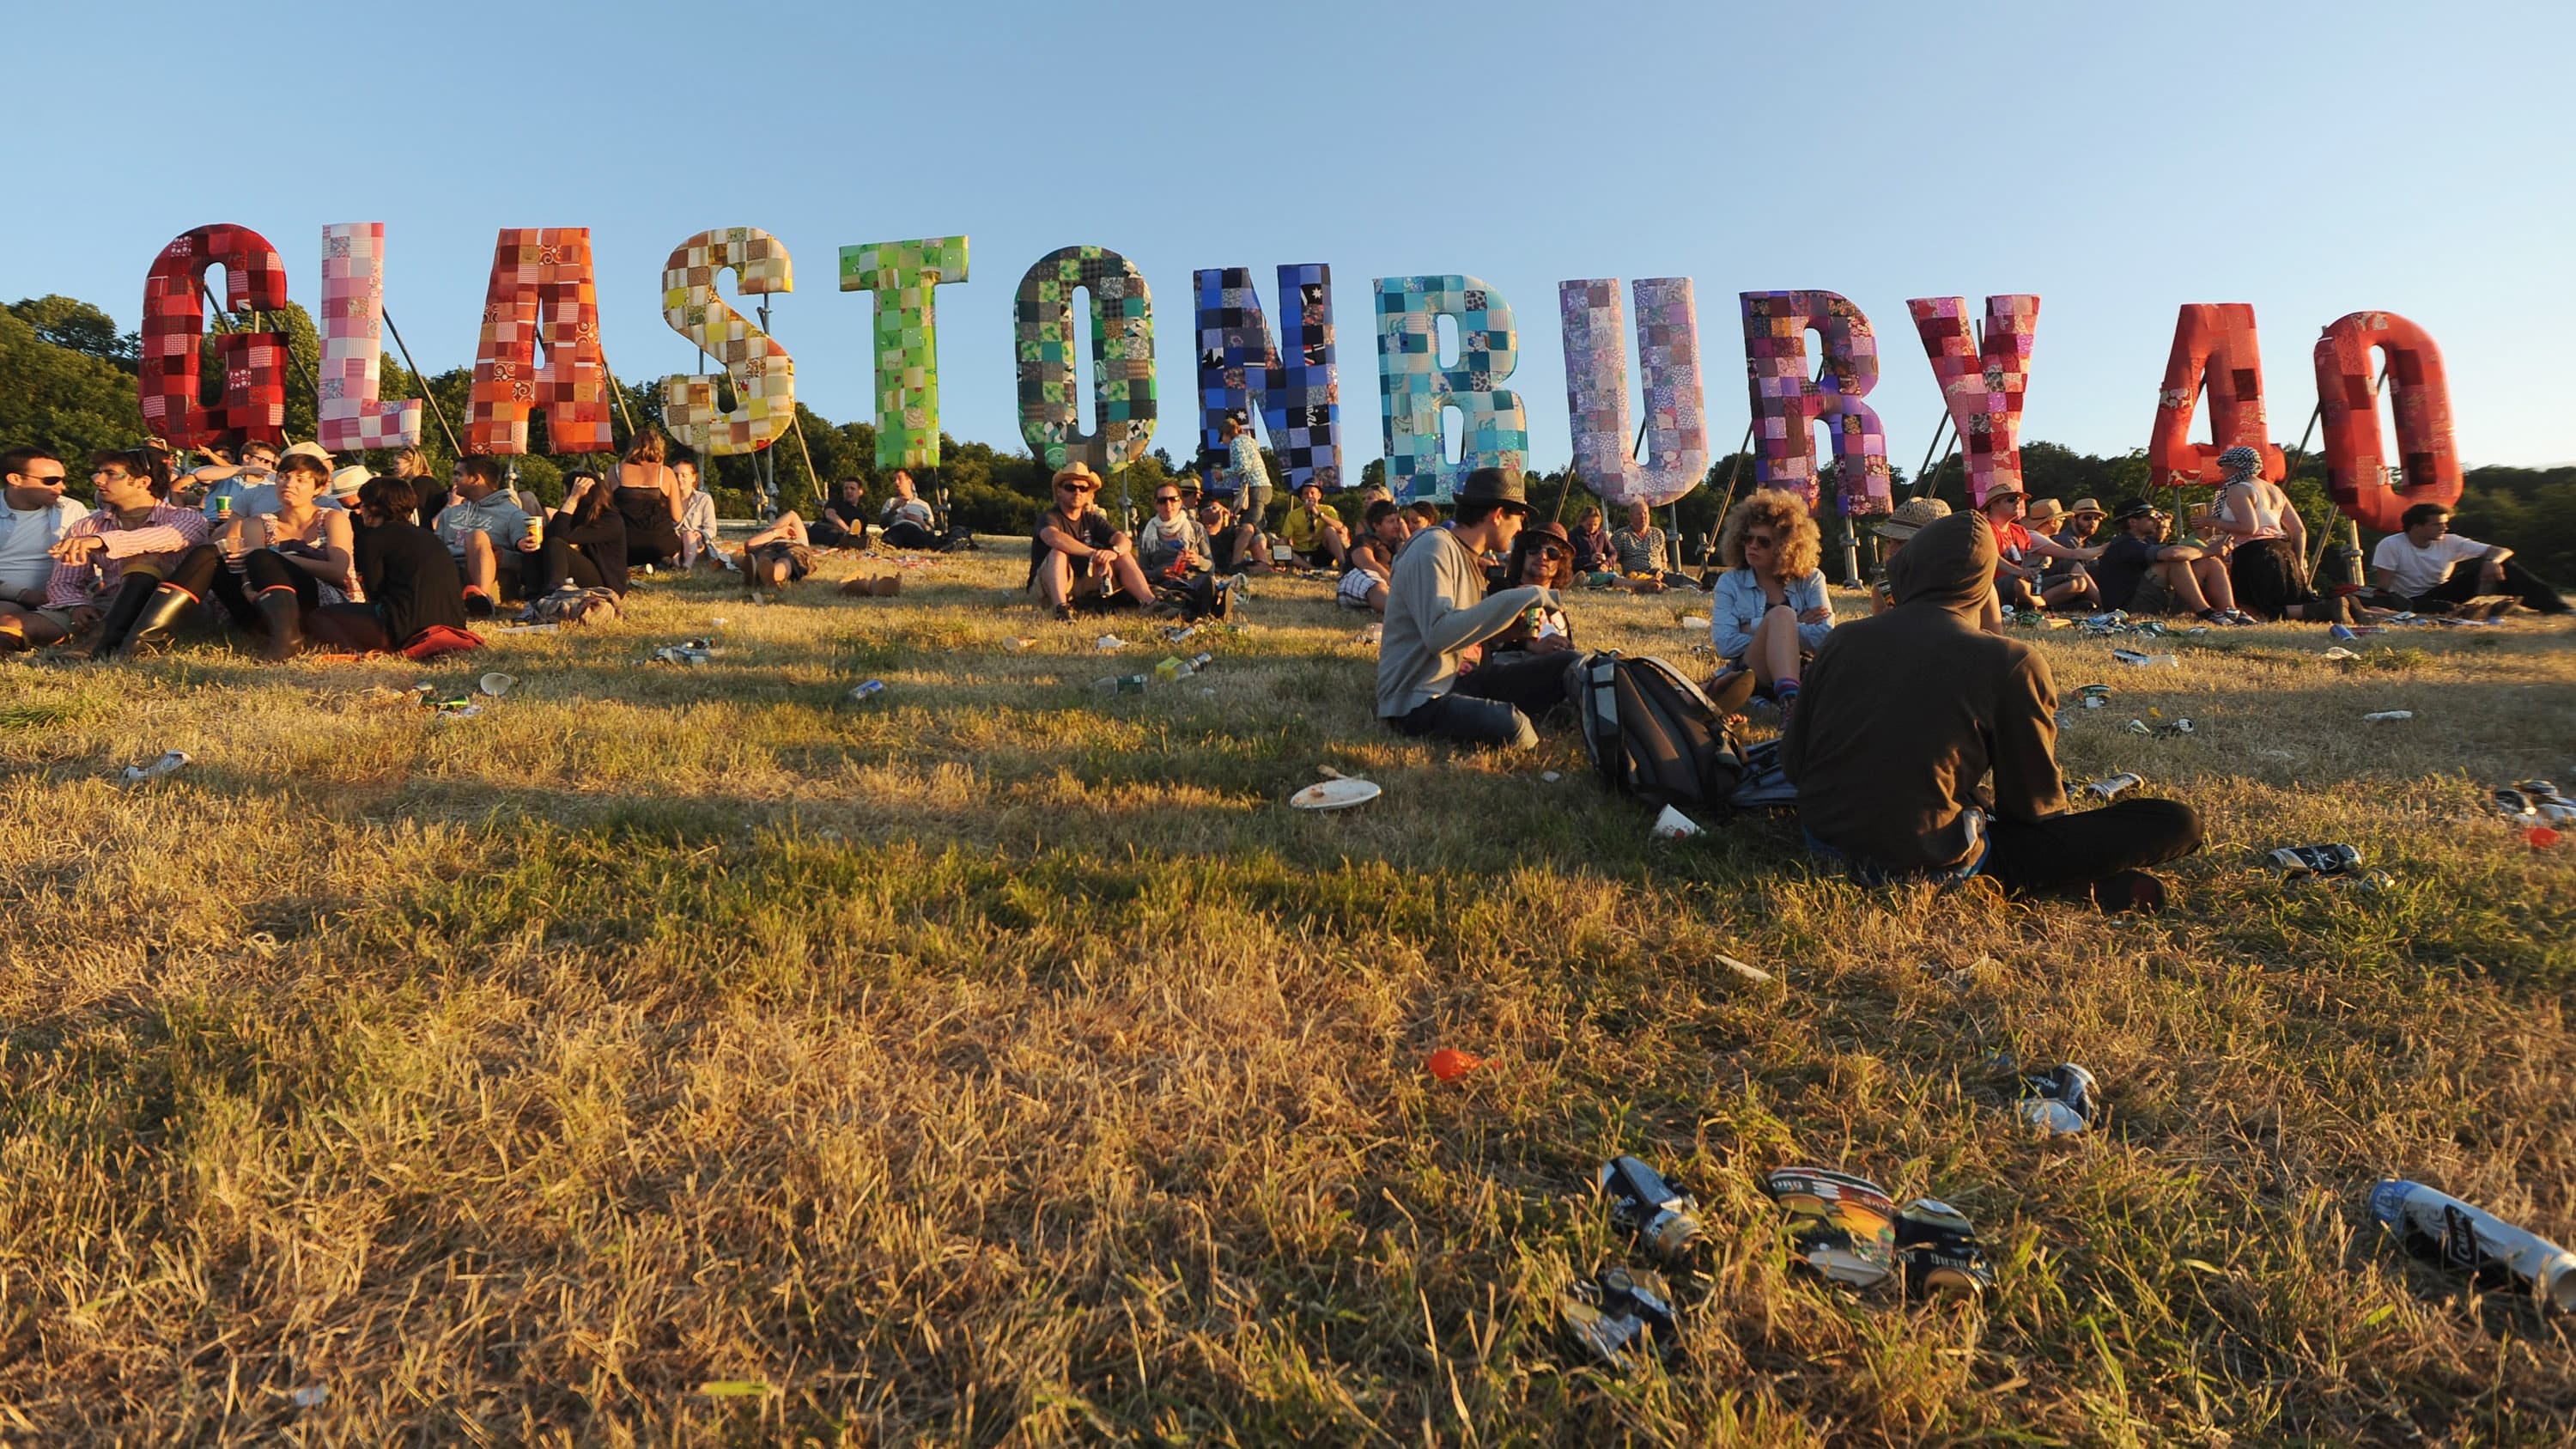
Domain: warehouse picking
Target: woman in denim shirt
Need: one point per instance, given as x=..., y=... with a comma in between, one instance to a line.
x=1769, y=611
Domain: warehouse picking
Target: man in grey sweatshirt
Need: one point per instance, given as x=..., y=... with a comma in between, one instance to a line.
x=1437, y=611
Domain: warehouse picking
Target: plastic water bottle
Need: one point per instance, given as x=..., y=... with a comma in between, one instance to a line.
x=868, y=691
x=2438, y=1226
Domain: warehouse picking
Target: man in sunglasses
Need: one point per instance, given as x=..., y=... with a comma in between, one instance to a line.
x=1079, y=558
x=36, y=518
x=2141, y=573
x=1172, y=544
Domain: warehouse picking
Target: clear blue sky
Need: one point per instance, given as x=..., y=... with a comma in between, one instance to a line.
x=2119, y=160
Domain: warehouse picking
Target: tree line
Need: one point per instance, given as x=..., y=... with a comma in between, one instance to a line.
x=67, y=380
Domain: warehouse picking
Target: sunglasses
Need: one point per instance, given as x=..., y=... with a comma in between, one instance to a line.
x=1071, y=488
x=55, y=479
x=1763, y=539
x=1552, y=553
x=1167, y=498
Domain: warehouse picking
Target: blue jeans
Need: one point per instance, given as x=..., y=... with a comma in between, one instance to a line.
x=1491, y=705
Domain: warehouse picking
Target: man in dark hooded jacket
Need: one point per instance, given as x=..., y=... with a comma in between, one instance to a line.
x=1902, y=717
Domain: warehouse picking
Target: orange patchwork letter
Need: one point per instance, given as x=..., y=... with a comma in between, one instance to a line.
x=540, y=278
x=2356, y=470
x=2213, y=340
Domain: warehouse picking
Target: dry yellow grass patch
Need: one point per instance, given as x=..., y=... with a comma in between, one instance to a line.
x=1000, y=1062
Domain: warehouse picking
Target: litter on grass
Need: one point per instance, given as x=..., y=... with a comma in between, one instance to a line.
x=169, y=763
x=1448, y=1064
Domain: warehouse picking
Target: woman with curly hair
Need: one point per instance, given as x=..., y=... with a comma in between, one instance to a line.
x=1769, y=611
x=1542, y=556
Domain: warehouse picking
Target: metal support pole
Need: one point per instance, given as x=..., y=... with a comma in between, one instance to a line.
x=768, y=460
x=454, y=448
x=1923, y=475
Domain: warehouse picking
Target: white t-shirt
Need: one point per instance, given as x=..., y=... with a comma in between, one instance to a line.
x=25, y=537
x=2422, y=570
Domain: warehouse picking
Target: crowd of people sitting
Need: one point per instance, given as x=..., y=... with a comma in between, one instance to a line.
x=1476, y=640
x=294, y=550
x=1962, y=780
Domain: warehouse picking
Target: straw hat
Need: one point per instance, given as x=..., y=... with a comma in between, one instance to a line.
x=2083, y=507
x=2044, y=512
x=1910, y=517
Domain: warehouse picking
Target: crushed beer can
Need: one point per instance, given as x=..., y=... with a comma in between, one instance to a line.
x=1840, y=1226
x=1647, y=1205
x=1620, y=1315
x=2063, y=1100
x=2299, y=862
x=1938, y=1251
x=2442, y=1229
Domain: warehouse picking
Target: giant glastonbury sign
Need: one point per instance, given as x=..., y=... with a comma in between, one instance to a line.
x=542, y=299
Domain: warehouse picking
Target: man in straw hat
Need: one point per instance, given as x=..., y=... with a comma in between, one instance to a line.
x=2062, y=577
x=1437, y=611
x=1078, y=557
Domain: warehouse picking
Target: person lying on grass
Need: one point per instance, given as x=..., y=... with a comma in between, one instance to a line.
x=1438, y=613
x=778, y=555
x=1079, y=559
x=1905, y=715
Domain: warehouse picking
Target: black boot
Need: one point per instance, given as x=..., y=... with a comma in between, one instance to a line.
x=103, y=638
x=285, y=615
x=169, y=603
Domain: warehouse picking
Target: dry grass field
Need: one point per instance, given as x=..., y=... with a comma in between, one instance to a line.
x=1000, y=1062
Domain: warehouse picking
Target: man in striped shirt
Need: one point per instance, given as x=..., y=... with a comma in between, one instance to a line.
x=109, y=566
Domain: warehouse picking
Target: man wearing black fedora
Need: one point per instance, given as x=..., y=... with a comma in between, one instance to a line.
x=1437, y=611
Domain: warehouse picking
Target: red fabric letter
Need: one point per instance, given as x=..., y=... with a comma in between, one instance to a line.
x=174, y=325
x=2215, y=339
x=2356, y=474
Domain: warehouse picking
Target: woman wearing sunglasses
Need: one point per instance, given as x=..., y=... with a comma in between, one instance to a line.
x=1769, y=611
x=1543, y=556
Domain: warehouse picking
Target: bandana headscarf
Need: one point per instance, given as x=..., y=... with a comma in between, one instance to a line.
x=2240, y=463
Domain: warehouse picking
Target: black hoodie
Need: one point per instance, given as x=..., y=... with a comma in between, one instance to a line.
x=1902, y=715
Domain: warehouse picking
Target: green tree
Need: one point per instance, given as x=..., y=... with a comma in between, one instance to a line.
x=63, y=399
x=69, y=322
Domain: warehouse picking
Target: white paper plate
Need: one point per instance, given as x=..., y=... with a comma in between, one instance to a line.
x=1335, y=795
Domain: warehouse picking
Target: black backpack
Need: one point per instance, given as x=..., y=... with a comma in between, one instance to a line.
x=1652, y=733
